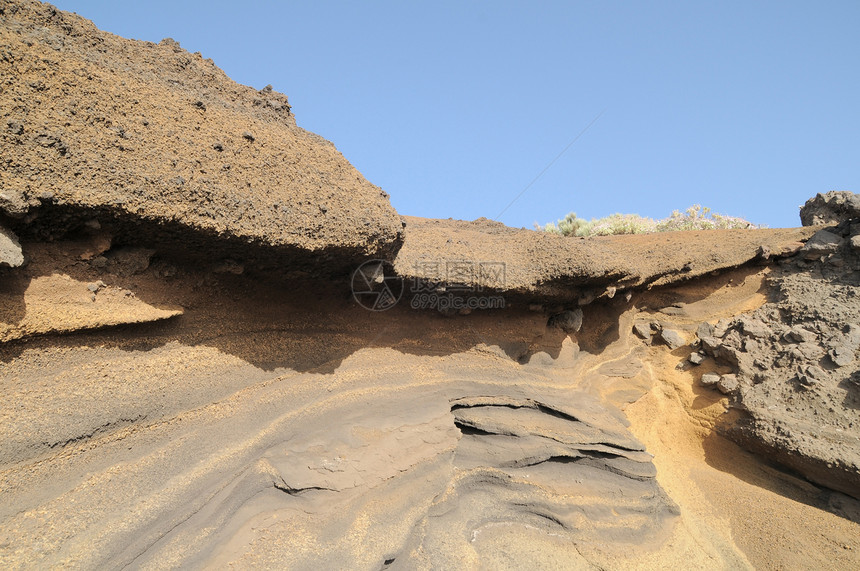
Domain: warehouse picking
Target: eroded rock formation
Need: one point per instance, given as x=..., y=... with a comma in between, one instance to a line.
x=188, y=381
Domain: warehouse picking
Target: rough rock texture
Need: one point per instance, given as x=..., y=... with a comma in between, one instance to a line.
x=99, y=129
x=796, y=358
x=538, y=264
x=167, y=405
x=10, y=249
x=830, y=207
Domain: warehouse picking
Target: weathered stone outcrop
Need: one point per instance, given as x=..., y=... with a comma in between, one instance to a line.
x=186, y=386
x=830, y=207
x=528, y=264
x=158, y=145
x=796, y=358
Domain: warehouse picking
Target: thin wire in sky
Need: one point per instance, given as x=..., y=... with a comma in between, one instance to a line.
x=547, y=167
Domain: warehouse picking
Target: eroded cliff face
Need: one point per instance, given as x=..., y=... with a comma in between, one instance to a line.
x=152, y=142
x=204, y=391
x=279, y=423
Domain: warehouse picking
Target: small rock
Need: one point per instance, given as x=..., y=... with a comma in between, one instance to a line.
x=733, y=339
x=728, y=384
x=10, y=249
x=815, y=372
x=13, y=204
x=129, y=261
x=248, y=136
x=762, y=364
x=568, y=321
x=710, y=345
x=755, y=328
x=823, y=243
x=710, y=379
x=705, y=329
x=95, y=286
x=730, y=355
x=697, y=358
x=610, y=292
x=799, y=334
x=170, y=42
x=672, y=338
x=855, y=242
x=642, y=330
x=218, y=146
x=841, y=355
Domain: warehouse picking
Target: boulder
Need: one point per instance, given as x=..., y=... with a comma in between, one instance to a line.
x=728, y=384
x=672, y=338
x=823, y=243
x=180, y=153
x=830, y=207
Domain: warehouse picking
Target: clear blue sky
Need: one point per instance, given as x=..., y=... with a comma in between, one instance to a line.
x=454, y=107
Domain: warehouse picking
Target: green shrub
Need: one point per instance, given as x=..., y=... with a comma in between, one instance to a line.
x=694, y=218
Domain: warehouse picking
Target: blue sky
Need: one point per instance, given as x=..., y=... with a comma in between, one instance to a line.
x=454, y=107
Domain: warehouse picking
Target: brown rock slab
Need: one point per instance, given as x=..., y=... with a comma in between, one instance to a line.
x=131, y=132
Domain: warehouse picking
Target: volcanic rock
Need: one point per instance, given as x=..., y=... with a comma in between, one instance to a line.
x=830, y=207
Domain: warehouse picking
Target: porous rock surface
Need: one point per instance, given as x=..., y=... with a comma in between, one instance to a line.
x=830, y=207
x=796, y=357
x=150, y=140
